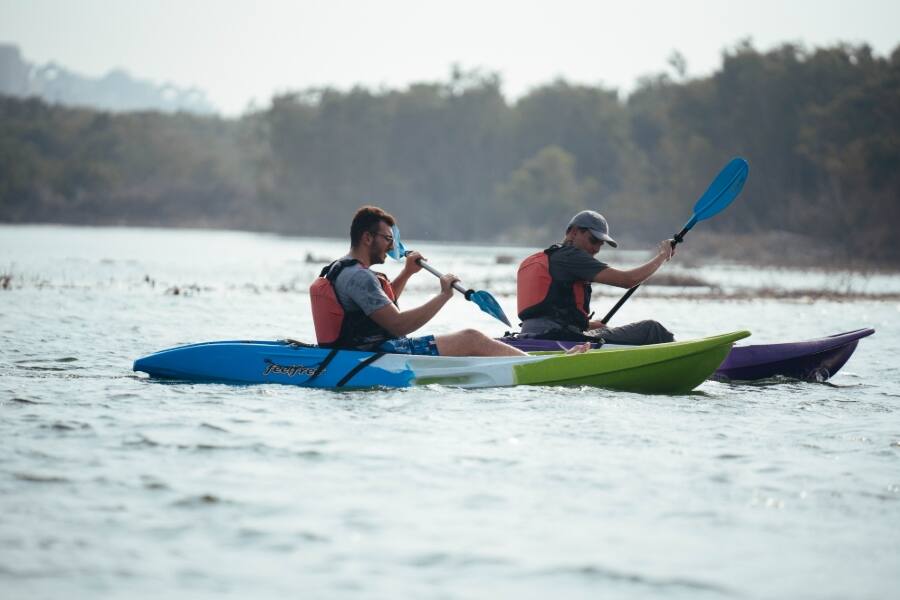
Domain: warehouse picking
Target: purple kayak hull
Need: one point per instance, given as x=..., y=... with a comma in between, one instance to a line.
x=811, y=360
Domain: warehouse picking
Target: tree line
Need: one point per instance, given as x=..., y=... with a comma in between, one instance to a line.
x=455, y=160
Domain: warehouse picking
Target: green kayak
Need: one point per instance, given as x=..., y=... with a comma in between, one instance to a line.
x=669, y=368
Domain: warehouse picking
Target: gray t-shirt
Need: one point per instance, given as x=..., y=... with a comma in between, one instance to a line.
x=358, y=288
x=568, y=264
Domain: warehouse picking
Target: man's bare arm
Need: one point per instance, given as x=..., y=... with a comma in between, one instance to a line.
x=632, y=277
x=403, y=323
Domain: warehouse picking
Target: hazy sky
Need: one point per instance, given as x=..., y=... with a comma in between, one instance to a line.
x=240, y=51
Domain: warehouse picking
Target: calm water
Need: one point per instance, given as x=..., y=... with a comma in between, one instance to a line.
x=112, y=485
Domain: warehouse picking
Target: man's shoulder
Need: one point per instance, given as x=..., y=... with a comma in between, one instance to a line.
x=571, y=263
x=354, y=275
x=572, y=254
x=564, y=249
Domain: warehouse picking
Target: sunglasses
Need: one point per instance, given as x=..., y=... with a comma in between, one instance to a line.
x=388, y=238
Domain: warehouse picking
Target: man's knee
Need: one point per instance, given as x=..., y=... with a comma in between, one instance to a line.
x=472, y=335
x=466, y=342
x=657, y=333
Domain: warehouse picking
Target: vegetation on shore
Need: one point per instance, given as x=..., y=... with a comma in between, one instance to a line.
x=455, y=160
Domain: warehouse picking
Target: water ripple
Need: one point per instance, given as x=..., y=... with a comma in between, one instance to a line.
x=200, y=501
x=41, y=478
x=600, y=573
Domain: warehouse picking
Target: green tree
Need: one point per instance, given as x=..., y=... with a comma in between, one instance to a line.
x=542, y=194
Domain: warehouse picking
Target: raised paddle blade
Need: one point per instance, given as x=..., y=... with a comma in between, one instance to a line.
x=723, y=190
x=397, y=252
x=488, y=304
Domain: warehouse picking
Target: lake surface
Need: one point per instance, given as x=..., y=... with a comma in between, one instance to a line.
x=114, y=485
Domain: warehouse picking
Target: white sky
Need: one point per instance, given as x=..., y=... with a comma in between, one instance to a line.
x=242, y=51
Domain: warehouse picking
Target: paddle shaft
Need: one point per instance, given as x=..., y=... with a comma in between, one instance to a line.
x=678, y=238
x=456, y=285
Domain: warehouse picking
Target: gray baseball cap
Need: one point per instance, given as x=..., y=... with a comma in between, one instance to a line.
x=597, y=225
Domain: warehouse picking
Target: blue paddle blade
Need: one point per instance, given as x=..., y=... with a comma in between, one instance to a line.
x=722, y=191
x=489, y=304
x=398, y=251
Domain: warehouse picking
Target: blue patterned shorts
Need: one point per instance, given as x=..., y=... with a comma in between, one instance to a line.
x=420, y=346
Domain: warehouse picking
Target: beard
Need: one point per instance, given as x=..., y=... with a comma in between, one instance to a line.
x=376, y=257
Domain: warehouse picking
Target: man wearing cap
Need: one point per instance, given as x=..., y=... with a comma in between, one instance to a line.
x=554, y=287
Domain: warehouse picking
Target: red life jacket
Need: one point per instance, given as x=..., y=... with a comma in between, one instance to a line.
x=539, y=295
x=336, y=327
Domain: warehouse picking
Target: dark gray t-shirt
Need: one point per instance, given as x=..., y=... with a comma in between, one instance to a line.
x=358, y=288
x=572, y=264
x=568, y=264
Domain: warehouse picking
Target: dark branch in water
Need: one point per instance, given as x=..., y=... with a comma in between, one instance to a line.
x=678, y=280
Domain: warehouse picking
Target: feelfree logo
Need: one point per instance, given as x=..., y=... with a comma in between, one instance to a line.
x=291, y=370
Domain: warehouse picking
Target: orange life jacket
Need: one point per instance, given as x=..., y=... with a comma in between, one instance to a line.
x=336, y=327
x=539, y=295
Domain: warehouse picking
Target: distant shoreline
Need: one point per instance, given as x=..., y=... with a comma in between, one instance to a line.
x=773, y=250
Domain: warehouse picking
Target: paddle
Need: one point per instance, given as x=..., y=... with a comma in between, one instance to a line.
x=482, y=299
x=721, y=192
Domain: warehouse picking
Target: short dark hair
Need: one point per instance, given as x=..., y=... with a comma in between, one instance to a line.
x=367, y=219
